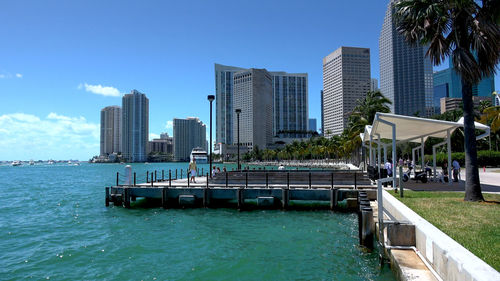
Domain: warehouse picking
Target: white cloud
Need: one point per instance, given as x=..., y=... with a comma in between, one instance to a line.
x=2, y=76
x=25, y=136
x=101, y=90
x=153, y=136
x=169, y=125
x=19, y=75
x=7, y=75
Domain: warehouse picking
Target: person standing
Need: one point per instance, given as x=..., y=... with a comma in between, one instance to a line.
x=456, y=170
x=192, y=170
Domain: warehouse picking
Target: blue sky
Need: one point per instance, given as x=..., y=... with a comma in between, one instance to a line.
x=62, y=61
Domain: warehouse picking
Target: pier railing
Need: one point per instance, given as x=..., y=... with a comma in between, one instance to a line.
x=252, y=178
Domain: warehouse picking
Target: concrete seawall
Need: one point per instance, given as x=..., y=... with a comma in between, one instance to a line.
x=448, y=258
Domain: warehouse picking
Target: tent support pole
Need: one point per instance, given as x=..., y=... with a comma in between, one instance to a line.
x=448, y=146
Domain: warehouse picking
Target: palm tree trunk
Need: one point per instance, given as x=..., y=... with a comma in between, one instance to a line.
x=472, y=185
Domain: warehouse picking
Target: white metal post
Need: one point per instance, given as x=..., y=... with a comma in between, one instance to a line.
x=394, y=173
x=448, y=144
x=379, y=156
x=423, y=155
x=371, y=150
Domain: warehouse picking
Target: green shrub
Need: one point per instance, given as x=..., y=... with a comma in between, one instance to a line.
x=484, y=158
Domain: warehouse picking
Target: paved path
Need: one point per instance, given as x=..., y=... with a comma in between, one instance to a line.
x=490, y=182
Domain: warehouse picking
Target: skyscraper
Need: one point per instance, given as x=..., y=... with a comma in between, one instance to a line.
x=322, y=115
x=346, y=79
x=253, y=94
x=290, y=102
x=188, y=134
x=111, y=117
x=135, y=126
x=405, y=72
x=224, y=102
x=312, y=125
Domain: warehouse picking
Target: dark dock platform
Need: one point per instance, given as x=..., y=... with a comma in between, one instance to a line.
x=269, y=189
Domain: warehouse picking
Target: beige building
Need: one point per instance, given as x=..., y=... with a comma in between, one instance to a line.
x=448, y=104
x=188, y=134
x=346, y=78
x=253, y=94
x=111, y=124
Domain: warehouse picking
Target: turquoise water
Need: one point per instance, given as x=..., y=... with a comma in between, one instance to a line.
x=54, y=225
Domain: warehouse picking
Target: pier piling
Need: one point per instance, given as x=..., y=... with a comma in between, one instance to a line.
x=147, y=176
x=310, y=180
x=156, y=178
x=240, y=198
x=117, y=178
x=152, y=180
x=175, y=173
x=107, y=196
x=169, y=178
x=134, y=179
x=162, y=175
x=164, y=197
x=284, y=198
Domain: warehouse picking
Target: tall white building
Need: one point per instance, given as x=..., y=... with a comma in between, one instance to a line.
x=253, y=94
x=135, y=126
x=406, y=76
x=346, y=79
x=290, y=103
x=111, y=123
x=188, y=134
x=224, y=102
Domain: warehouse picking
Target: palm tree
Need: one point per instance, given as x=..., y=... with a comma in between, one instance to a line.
x=467, y=31
x=366, y=108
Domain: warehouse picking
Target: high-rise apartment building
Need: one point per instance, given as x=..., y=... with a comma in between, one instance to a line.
x=188, y=134
x=322, y=115
x=224, y=102
x=290, y=102
x=405, y=71
x=374, y=85
x=111, y=119
x=135, y=126
x=346, y=79
x=253, y=94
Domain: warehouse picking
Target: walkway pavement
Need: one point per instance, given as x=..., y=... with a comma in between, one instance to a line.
x=490, y=182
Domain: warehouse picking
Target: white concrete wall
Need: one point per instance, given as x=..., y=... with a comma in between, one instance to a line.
x=450, y=259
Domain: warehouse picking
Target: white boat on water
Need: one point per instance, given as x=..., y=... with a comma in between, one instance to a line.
x=199, y=154
x=16, y=163
x=32, y=162
x=51, y=162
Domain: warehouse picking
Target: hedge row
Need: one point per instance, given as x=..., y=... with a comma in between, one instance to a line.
x=484, y=157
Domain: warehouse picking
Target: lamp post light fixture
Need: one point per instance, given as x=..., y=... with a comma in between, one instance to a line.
x=210, y=98
x=238, y=111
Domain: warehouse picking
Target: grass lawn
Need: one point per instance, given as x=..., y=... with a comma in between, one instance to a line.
x=476, y=226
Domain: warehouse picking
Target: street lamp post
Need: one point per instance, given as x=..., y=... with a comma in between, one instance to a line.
x=210, y=98
x=238, y=111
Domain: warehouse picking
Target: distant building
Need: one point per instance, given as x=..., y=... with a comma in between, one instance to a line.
x=253, y=94
x=448, y=104
x=322, y=115
x=447, y=84
x=290, y=106
x=346, y=79
x=188, y=134
x=162, y=145
x=312, y=125
x=374, y=85
x=290, y=102
x=405, y=71
x=135, y=125
x=111, y=123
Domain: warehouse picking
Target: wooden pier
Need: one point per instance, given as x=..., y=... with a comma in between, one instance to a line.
x=269, y=189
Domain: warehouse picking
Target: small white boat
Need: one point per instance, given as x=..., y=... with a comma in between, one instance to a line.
x=51, y=162
x=32, y=162
x=16, y=163
x=200, y=155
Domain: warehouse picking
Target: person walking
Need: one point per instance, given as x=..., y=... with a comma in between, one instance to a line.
x=192, y=170
x=456, y=170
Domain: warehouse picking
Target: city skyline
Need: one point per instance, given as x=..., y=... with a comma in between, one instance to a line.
x=63, y=63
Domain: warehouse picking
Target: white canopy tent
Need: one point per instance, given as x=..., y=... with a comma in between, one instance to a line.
x=399, y=129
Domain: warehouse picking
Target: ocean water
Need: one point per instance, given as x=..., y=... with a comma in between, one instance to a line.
x=54, y=225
